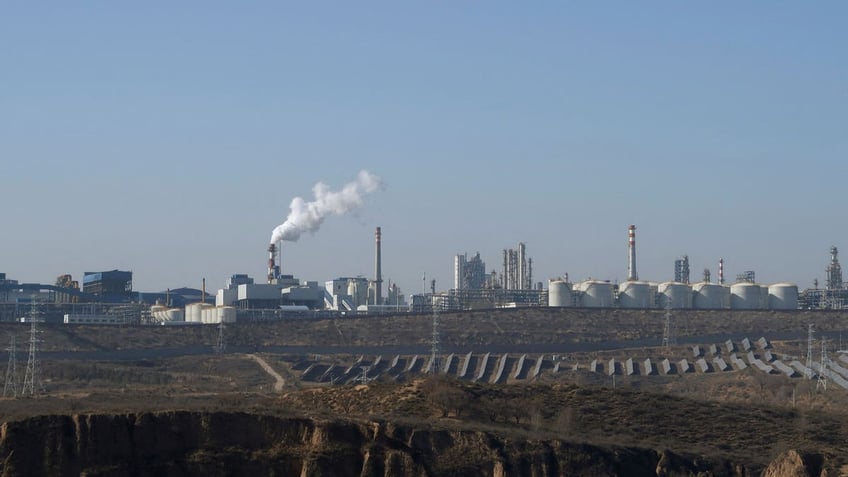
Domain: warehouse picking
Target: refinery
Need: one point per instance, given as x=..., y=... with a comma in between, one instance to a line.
x=108, y=298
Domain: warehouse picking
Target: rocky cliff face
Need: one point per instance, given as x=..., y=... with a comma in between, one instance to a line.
x=235, y=444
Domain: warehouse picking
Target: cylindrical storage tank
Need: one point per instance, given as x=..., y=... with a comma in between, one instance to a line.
x=710, y=296
x=156, y=312
x=596, y=294
x=635, y=295
x=175, y=314
x=746, y=296
x=207, y=313
x=228, y=314
x=559, y=293
x=783, y=296
x=193, y=313
x=677, y=295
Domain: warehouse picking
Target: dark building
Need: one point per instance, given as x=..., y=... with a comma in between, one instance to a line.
x=112, y=286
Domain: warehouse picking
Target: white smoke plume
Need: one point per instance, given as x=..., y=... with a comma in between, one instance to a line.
x=308, y=216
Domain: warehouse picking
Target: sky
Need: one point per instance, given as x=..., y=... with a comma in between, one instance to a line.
x=169, y=138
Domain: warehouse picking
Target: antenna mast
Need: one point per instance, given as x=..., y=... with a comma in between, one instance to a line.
x=11, y=370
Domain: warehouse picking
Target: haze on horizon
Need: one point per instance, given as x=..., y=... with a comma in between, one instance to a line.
x=170, y=139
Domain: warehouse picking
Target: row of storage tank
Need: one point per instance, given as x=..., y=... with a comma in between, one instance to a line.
x=203, y=313
x=704, y=296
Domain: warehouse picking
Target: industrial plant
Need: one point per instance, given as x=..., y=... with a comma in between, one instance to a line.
x=107, y=297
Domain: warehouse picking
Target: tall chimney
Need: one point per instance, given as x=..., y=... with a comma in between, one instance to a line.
x=721, y=271
x=272, y=252
x=203, y=292
x=378, y=272
x=631, y=268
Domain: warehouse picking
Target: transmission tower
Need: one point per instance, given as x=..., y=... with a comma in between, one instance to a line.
x=11, y=370
x=221, y=345
x=810, y=352
x=32, y=381
x=363, y=378
x=435, y=349
x=668, y=338
x=822, y=381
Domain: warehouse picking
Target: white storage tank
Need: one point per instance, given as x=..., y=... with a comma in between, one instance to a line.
x=228, y=314
x=635, y=295
x=596, y=294
x=175, y=314
x=678, y=295
x=783, y=296
x=193, y=313
x=559, y=293
x=209, y=313
x=710, y=296
x=746, y=296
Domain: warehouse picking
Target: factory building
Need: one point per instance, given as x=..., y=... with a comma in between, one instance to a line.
x=285, y=290
x=111, y=286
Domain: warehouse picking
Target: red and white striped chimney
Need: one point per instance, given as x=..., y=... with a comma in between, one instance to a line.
x=272, y=252
x=631, y=268
x=378, y=272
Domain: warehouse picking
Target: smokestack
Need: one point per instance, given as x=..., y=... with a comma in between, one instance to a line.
x=203, y=292
x=272, y=255
x=378, y=272
x=721, y=271
x=631, y=268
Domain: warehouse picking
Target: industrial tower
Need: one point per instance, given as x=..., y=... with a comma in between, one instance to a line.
x=834, y=271
x=632, y=276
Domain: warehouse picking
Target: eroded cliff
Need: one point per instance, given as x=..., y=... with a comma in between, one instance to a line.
x=235, y=444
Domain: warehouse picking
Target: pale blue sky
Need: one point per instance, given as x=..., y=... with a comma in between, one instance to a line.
x=169, y=137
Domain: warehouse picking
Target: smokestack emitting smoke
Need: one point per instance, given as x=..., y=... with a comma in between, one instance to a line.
x=308, y=216
x=272, y=266
x=378, y=281
x=631, y=269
